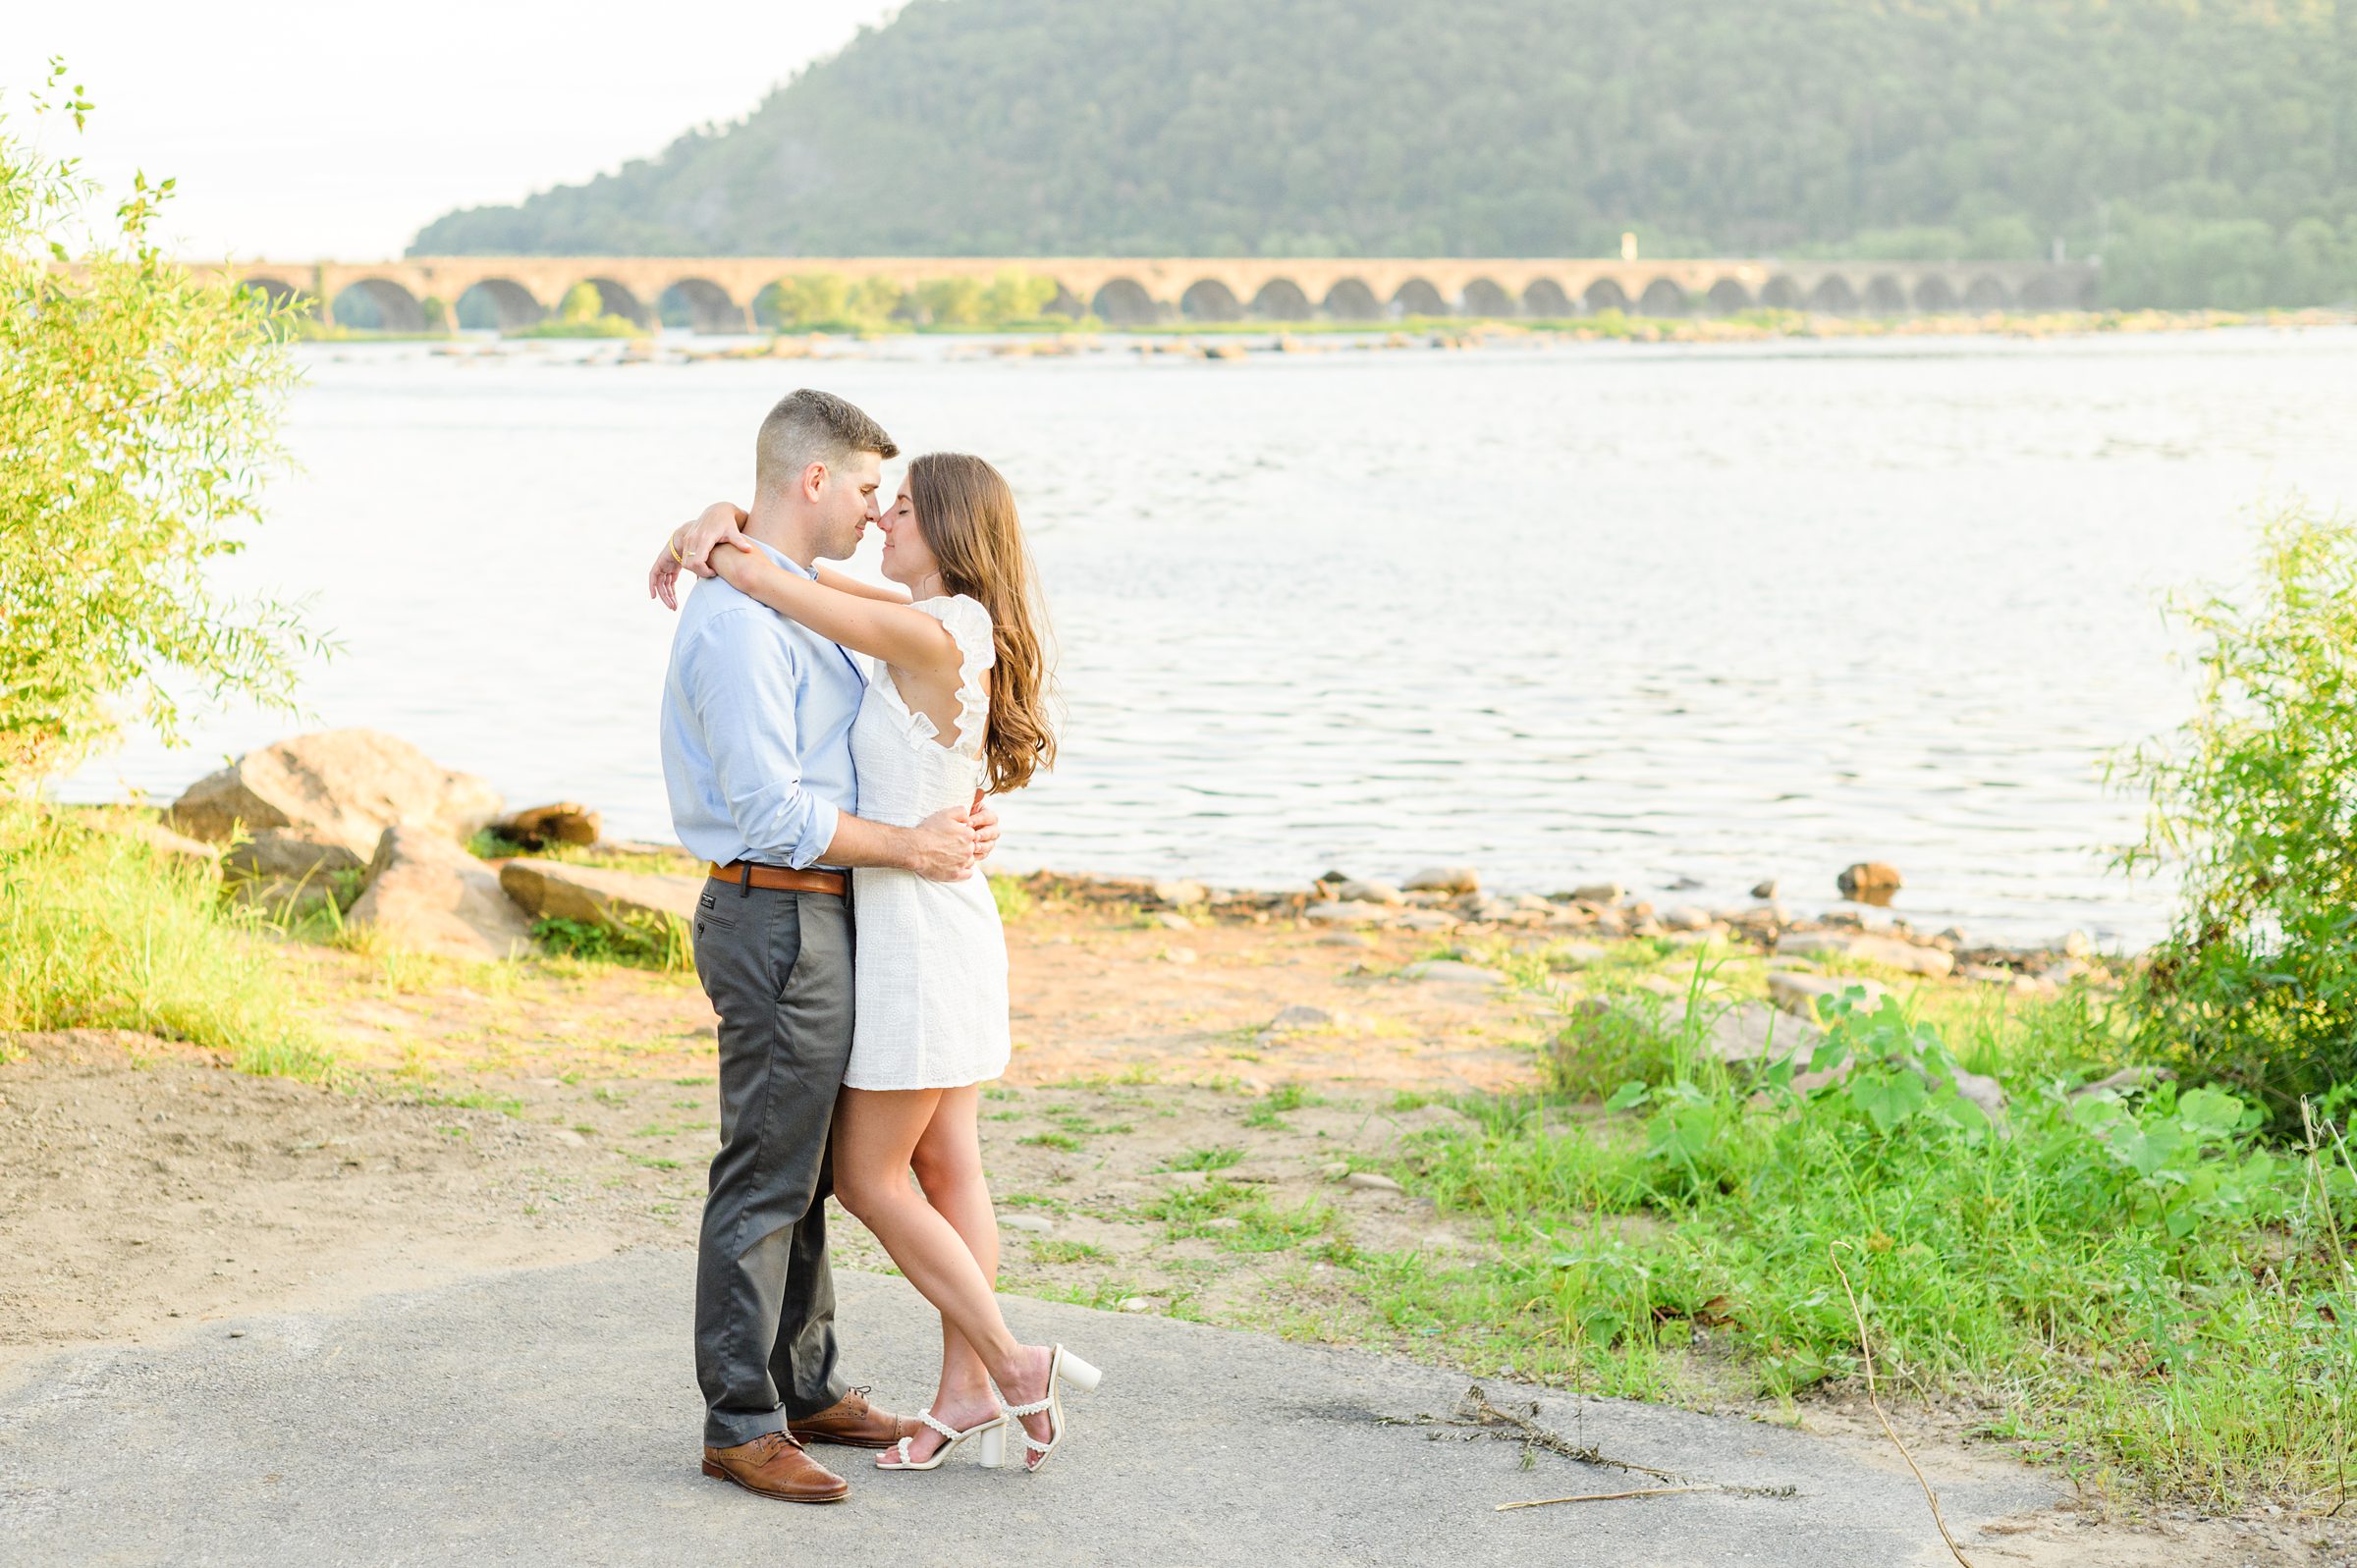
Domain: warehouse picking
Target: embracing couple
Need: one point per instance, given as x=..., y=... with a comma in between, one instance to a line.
x=827, y=745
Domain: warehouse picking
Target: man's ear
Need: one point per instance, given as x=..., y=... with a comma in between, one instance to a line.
x=814, y=480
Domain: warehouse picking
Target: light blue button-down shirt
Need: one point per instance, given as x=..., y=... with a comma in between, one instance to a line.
x=756, y=734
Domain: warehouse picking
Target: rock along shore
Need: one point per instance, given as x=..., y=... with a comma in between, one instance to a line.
x=367, y=822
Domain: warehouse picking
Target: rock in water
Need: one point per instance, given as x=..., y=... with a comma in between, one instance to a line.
x=321, y=803
x=565, y=821
x=1382, y=892
x=1869, y=882
x=1764, y=891
x=426, y=895
x=1445, y=879
x=620, y=900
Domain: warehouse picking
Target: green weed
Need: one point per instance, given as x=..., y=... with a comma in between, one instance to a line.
x=102, y=931
x=1219, y=1157
x=2144, y=1282
x=661, y=944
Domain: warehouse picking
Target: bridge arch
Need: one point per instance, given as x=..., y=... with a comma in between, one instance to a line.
x=700, y=306
x=1125, y=302
x=1066, y=303
x=1484, y=297
x=615, y=300
x=2056, y=290
x=1605, y=294
x=1662, y=298
x=1546, y=297
x=1418, y=297
x=1351, y=300
x=1780, y=293
x=1833, y=295
x=1985, y=293
x=1281, y=300
x=1884, y=296
x=1935, y=295
x=1726, y=297
x=500, y=305
x=377, y=304
x=1209, y=299
x=276, y=293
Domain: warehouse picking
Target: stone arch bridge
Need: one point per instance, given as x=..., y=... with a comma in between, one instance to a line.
x=717, y=293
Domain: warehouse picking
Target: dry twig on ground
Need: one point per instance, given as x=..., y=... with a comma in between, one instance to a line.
x=1866, y=1349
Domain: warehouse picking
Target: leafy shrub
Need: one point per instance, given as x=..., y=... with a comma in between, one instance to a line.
x=2255, y=801
x=138, y=418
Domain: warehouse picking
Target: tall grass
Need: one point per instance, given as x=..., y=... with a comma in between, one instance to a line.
x=100, y=929
x=2145, y=1286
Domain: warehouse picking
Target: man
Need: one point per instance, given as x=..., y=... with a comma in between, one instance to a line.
x=756, y=728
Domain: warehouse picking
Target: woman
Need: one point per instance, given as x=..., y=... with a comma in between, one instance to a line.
x=957, y=705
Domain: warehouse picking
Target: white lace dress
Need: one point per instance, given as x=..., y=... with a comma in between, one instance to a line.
x=931, y=972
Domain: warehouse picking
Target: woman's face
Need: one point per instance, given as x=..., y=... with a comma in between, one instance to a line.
x=907, y=559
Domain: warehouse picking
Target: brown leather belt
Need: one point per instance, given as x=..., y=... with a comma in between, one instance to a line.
x=780, y=879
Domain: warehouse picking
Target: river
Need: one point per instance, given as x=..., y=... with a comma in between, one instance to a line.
x=1684, y=617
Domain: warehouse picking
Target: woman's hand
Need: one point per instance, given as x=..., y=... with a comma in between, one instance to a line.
x=690, y=549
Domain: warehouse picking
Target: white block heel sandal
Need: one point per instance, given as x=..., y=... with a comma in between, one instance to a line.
x=992, y=1434
x=1062, y=1366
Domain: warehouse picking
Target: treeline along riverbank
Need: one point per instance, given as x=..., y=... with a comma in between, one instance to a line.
x=2205, y=152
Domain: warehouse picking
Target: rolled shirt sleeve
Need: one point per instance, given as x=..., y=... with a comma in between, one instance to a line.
x=742, y=683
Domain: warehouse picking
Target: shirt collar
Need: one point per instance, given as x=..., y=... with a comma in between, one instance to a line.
x=783, y=559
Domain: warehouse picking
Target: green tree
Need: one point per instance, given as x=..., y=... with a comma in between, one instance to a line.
x=582, y=306
x=875, y=301
x=2125, y=127
x=138, y=417
x=2254, y=799
x=951, y=302
x=1015, y=295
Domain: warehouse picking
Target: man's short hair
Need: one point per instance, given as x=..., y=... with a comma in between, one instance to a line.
x=807, y=427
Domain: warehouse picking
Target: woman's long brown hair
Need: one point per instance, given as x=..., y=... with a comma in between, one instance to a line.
x=966, y=513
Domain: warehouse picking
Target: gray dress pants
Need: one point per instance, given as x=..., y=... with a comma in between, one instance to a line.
x=777, y=968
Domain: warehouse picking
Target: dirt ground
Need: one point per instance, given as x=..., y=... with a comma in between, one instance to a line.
x=504, y=1116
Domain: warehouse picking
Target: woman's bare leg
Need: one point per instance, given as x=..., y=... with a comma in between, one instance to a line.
x=877, y=1133
x=948, y=1162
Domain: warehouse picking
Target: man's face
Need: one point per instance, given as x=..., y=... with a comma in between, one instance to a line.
x=847, y=503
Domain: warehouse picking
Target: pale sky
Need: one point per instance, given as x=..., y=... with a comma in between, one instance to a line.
x=337, y=132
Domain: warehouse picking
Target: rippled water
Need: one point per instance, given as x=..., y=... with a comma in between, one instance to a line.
x=1665, y=614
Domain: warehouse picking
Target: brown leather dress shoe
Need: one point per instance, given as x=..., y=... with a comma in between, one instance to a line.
x=853, y=1423
x=775, y=1466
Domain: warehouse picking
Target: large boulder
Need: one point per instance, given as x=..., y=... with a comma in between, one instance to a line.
x=1731, y=1029
x=1866, y=947
x=1801, y=994
x=620, y=900
x=426, y=895
x=179, y=848
x=1351, y=912
x=321, y=802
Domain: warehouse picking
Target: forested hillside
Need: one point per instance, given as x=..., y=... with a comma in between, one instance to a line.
x=2205, y=149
